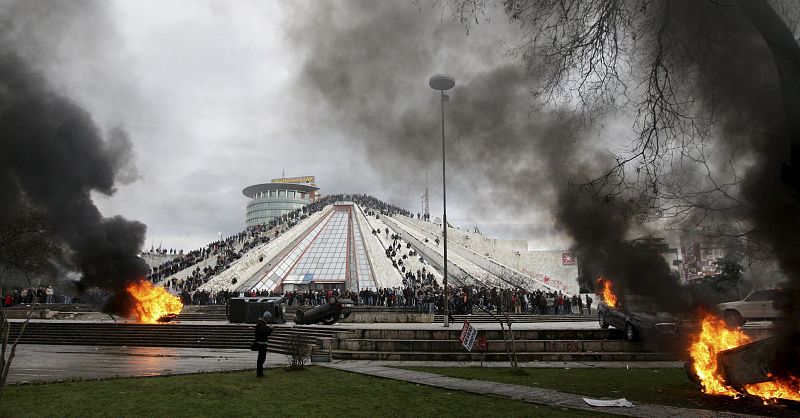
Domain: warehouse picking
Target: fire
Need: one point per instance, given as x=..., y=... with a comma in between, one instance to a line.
x=606, y=293
x=784, y=389
x=152, y=302
x=715, y=336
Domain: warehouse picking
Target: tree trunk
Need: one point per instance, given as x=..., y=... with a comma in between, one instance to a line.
x=785, y=53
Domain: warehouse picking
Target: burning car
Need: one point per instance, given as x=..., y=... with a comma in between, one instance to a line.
x=759, y=304
x=637, y=316
x=327, y=313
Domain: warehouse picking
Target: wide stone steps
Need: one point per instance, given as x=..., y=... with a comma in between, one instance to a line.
x=518, y=318
x=203, y=313
x=165, y=335
x=530, y=346
x=475, y=355
x=453, y=333
x=202, y=316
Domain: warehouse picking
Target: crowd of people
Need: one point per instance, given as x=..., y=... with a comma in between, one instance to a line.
x=41, y=294
x=226, y=251
x=429, y=298
x=420, y=290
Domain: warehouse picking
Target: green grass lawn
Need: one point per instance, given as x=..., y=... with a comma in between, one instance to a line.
x=315, y=392
x=656, y=386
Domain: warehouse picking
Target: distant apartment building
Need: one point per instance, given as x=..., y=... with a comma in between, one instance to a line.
x=700, y=254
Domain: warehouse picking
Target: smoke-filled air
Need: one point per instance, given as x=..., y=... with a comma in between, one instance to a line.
x=54, y=156
x=576, y=125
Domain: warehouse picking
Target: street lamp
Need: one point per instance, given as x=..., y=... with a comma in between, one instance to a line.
x=444, y=82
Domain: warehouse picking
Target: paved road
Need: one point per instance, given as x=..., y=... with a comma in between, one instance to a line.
x=37, y=363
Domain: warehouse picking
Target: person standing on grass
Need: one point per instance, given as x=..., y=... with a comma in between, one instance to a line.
x=262, y=335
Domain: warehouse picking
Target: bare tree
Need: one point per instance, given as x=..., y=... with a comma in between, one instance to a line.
x=710, y=88
x=25, y=249
x=299, y=352
x=508, y=337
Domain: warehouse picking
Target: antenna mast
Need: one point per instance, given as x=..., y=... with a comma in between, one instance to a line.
x=426, y=208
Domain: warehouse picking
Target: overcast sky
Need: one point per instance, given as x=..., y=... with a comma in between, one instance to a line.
x=219, y=95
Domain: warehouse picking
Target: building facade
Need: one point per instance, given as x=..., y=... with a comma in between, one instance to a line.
x=700, y=255
x=277, y=198
x=329, y=255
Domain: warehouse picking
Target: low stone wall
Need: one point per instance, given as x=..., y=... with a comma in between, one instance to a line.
x=383, y=317
x=36, y=314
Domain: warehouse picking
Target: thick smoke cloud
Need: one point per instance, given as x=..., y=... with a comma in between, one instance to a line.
x=366, y=68
x=53, y=157
x=368, y=65
x=370, y=69
x=747, y=89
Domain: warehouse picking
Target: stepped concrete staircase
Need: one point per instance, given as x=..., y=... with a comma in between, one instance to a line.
x=484, y=318
x=481, y=266
x=531, y=345
x=393, y=342
x=228, y=336
x=204, y=313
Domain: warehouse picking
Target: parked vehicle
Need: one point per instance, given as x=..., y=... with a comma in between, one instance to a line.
x=637, y=316
x=327, y=313
x=759, y=304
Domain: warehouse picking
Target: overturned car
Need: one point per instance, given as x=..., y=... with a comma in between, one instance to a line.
x=327, y=313
x=638, y=316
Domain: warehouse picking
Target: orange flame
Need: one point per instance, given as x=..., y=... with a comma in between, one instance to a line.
x=152, y=302
x=715, y=336
x=607, y=294
x=784, y=389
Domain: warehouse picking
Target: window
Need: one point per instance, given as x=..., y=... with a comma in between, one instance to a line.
x=762, y=295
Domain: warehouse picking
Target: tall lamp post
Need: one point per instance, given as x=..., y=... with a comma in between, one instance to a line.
x=444, y=82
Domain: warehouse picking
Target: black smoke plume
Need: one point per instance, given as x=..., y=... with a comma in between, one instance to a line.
x=505, y=159
x=52, y=157
x=370, y=64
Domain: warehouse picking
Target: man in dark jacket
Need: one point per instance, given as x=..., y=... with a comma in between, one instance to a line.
x=262, y=335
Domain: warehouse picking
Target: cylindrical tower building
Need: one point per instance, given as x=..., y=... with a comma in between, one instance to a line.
x=281, y=196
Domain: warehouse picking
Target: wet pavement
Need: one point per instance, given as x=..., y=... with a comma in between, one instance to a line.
x=49, y=363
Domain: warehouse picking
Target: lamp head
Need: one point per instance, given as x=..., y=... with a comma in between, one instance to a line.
x=442, y=82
